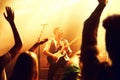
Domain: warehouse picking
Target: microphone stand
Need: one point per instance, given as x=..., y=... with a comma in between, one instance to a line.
x=39, y=50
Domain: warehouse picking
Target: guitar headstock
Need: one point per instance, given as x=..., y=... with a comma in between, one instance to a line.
x=44, y=40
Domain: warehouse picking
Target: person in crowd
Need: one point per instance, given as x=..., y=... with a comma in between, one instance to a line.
x=57, y=51
x=7, y=57
x=73, y=68
x=112, y=27
x=92, y=68
x=26, y=66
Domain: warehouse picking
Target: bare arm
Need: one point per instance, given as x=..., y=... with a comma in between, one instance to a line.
x=18, y=43
x=89, y=41
x=89, y=37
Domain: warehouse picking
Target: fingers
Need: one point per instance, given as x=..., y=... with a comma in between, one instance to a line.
x=9, y=14
x=9, y=11
x=5, y=15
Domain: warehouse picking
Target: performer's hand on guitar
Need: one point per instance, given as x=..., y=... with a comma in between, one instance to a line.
x=57, y=55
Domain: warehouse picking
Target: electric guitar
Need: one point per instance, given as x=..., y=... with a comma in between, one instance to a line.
x=60, y=53
x=37, y=44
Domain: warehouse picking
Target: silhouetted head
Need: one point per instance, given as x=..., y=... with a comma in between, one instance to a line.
x=112, y=27
x=24, y=68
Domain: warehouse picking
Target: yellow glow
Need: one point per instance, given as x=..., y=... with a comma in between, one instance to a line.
x=70, y=14
x=71, y=2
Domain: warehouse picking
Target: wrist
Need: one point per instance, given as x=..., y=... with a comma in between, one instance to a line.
x=103, y=2
x=11, y=21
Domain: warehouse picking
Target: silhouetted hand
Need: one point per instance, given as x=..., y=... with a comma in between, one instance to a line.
x=103, y=1
x=9, y=16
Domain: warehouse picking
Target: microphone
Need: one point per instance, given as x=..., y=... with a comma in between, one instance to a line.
x=43, y=25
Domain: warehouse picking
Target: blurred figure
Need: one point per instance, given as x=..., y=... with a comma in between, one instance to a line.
x=112, y=27
x=72, y=68
x=7, y=57
x=57, y=51
x=26, y=66
x=92, y=69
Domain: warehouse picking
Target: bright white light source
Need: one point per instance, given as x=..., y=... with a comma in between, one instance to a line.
x=71, y=2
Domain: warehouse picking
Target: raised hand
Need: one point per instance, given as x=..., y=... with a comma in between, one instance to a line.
x=103, y=1
x=9, y=16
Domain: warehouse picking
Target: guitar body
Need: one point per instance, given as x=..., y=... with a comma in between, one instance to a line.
x=61, y=61
x=60, y=55
x=59, y=51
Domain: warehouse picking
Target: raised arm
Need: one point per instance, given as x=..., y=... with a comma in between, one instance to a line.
x=89, y=50
x=89, y=37
x=9, y=16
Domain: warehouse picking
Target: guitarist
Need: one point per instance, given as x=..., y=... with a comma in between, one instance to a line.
x=57, y=51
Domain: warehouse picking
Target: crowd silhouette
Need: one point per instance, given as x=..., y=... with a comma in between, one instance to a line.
x=92, y=68
x=26, y=66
